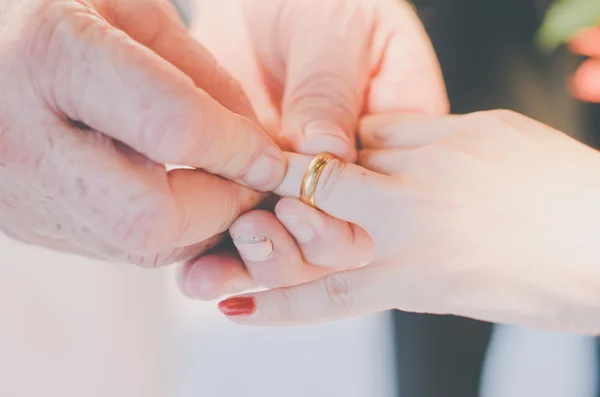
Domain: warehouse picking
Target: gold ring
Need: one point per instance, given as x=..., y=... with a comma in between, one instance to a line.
x=311, y=177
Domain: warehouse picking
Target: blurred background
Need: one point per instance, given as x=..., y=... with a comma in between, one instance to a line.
x=73, y=327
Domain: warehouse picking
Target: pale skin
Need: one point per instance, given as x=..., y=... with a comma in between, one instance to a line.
x=490, y=215
x=96, y=101
x=310, y=63
x=97, y=96
x=115, y=89
x=300, y=238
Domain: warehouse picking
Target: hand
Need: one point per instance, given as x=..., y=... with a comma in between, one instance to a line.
x=585, y=84
x=97, y=96
x=311, y=68
x=489, y=215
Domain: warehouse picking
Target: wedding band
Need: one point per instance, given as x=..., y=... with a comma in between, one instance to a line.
x=311, y=178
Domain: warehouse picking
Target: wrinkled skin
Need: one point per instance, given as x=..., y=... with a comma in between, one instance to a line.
x=96, y=97
x=311, y=69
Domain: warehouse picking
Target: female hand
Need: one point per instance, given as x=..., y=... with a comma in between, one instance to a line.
x=490, y=215
x=311, y=69
x=585, y=84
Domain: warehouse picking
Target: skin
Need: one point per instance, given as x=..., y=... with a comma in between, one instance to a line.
x=97, y=97
x=294, y=245
x=489, y=215
x=585, y=84
x=311, y=69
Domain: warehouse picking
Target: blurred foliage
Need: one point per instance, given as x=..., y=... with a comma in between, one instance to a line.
x=564, y=19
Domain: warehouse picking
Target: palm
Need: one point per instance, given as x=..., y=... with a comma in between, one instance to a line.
x=313, y=66
x=315, y=60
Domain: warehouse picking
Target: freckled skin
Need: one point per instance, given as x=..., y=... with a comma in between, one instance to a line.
x=96, y=97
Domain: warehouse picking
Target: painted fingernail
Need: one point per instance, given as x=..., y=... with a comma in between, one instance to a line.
x=254, y=248
x=299, y=226
x=266, y=172
x=242, y=306
x=323, y=135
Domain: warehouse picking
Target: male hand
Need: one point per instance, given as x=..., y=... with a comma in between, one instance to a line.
x=97, y=96
x=312, y=69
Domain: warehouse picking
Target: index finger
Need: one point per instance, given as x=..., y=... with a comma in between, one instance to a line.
x=115, y=85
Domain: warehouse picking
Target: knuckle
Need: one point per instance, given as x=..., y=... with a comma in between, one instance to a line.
x=151, y=261
x=219, y=151
x=484, y=119
x=504, y=114
x=232, y=209
x=339, y=291
x=325, y=91
x=285, y=304
x=168, y=136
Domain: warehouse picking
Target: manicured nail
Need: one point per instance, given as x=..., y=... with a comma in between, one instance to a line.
x=242, y=306
x=322, y=136
x=299, y=226
x=266, y=173
x=254, y=248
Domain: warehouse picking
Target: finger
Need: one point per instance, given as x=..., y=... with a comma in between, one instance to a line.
x=385, y=161
x=335, y=296
x=269, y=252
x=156, y=25
x=403, y=130
x=169, y=257
x=322, y=239
x=587, y=42
x=409, y=77
x=204, y=205
x=327, y=72
x=345, y=191
x=214, y=275
x=137, y=206
x=585, y=84
x=127, y=91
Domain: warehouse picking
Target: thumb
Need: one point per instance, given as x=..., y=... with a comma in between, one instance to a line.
x=327, y=71
x=116, y=86
x=344, y=190
x=333, y=297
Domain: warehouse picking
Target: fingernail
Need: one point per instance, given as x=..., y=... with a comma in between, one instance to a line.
x=266, y=173
x=254, y=248
x=299, y=226
x=242, y=306
x=322, y=136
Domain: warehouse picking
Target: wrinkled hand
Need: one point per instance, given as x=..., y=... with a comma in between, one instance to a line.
x=96, y=97
x=311, y=69
x=585, y=84
x=490, y=215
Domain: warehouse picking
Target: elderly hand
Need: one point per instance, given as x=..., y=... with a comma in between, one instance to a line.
x=97, y=96
x=490, y=215
x=311, y=68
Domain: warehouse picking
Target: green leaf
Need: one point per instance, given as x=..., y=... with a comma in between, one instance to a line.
x=564, y=19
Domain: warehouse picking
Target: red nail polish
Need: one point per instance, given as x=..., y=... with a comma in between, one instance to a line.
x=242, y=306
